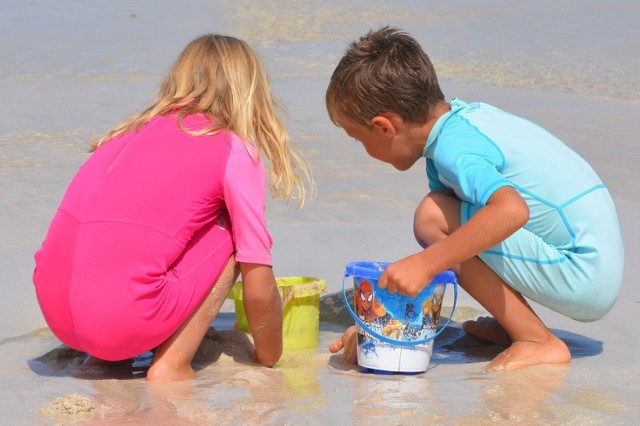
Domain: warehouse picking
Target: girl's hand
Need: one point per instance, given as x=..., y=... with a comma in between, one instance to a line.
x=348, y=343
x=407, y=276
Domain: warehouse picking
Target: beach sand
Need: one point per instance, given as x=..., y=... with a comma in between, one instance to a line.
x=71, y=70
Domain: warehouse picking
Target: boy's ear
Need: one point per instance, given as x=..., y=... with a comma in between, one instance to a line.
x=384, y=124
x=387, y=123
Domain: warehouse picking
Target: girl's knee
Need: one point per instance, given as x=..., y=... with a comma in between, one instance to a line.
x=436, y=217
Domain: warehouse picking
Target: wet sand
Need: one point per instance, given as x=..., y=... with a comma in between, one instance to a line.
x=71, y=71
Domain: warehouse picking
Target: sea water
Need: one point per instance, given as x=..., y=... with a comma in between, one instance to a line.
x=70, y=70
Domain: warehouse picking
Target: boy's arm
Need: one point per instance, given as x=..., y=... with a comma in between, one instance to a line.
x=504, y=214
x=263, y=307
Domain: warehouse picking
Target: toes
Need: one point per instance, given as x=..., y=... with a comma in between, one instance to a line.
x=468, y=325
x=499, y=364
x=474, y=328
x=336, y=346
x=487, y=328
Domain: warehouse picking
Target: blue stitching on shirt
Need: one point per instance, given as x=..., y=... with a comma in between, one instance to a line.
x=577, y=197
x=559, y=209
x=527, y=259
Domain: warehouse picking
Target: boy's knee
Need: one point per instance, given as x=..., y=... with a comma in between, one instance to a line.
x=425, y=222
x=435, y=218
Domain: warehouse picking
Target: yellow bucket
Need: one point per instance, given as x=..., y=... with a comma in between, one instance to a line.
x=300, y=311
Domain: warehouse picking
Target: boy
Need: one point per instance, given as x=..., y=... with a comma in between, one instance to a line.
x=511, y=209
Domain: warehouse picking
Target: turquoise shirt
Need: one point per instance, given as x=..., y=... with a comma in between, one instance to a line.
x=569, y=255
x=475, y=149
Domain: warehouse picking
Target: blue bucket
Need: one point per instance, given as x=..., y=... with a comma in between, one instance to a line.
x=395, y=332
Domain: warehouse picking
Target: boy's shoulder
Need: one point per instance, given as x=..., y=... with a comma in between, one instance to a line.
x=479, y=118
x=465, y=132
x=459, y=121
x=460, y=107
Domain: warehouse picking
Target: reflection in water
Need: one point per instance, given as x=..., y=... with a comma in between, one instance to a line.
x=299, y=374
x=539, y=395
x=596, y=400
x=527, y=396
x=391, y=399
x=312, y=384
x=384, y=399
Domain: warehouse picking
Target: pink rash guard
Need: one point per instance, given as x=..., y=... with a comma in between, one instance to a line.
x=144, y=231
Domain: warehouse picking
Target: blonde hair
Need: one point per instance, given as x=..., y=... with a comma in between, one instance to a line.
x=224, y=79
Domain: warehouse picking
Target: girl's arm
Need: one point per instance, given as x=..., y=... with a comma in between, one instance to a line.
x=263, y=307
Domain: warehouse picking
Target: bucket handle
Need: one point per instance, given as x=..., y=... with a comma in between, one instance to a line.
x=287, y=295
x=393, y=341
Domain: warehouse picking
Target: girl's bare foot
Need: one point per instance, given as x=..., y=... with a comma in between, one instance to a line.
x=487, y=328
x=526, y=353
x=161, y=371
x=172, y=358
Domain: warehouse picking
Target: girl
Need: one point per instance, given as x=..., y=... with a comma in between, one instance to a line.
x=152, y=230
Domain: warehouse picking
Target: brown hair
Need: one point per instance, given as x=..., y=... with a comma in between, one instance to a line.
x=385, y=71
x=223, y=78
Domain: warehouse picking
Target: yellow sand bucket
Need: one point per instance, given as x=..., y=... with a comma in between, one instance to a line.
x=300, y=311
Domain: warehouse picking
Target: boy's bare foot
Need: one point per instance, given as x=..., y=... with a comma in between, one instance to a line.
x=526, y=353
x=347, y=342
x=487, y=328
x=519, y=354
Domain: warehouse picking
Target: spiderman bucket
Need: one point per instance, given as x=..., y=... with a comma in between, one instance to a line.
x=395, y=332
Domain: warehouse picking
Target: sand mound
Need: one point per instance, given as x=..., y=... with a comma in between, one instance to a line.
x=72, y=404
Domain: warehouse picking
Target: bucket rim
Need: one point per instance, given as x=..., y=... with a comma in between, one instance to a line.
x=366, y=269
x=373, y=270
x=297, y=286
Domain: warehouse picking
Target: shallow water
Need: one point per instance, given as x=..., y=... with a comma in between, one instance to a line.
x=311, y=384
x=70, y=70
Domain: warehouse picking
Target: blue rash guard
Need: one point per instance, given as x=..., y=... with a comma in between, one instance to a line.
x=569, y=256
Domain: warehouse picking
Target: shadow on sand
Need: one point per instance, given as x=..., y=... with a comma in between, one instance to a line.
x=63, y=361
x=453, y=346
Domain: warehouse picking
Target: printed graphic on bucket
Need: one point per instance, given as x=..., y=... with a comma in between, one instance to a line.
x=396, y=316
x=395, y=332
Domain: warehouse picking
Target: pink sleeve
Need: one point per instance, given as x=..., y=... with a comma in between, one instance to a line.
x=244, y=194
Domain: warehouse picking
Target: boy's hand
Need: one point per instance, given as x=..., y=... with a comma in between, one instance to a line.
x=407, y=276
x=349, y=343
